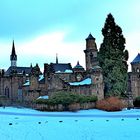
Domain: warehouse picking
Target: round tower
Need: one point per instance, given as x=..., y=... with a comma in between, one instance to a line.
x=91, y=52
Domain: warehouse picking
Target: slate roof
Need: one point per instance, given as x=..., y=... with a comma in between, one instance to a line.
x=137, y=59
x=90, y=37
x=19, y=70
x=61, y=67
x=96, y=69
x=78, y=66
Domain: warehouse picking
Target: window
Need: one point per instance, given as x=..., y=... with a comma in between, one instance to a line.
x=7, y=92
x=97, y=79
x=19, y=94
x=138, y=76
x=79, y=77
x=91, y=56
x=138, y=70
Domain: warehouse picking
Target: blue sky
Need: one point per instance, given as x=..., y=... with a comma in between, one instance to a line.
x=42, y=28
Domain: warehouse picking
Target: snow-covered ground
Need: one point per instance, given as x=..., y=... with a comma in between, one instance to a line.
x=27, y=124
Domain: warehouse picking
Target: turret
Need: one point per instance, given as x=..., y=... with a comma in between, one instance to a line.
x=91, y=52
x=135, y=64
x=13, y=56
x=79, y=71
x=90, y=43
x=78, y=68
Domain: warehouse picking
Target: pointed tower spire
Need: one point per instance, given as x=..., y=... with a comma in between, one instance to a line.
x=78, y=63
x=13, y=56
x=31, y=65
x=56, y=58
x=13, y=49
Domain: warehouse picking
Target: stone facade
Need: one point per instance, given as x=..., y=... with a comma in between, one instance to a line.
x=134, y=78
x=28, y=83
x=91, y=53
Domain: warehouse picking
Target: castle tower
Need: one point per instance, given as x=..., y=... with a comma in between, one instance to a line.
x=134, y=76
x=91, y=52
x=13, y=56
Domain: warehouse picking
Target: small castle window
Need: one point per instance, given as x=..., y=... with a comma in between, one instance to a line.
x=133, y=70
x=7, y=92
x=79, y=77
x=97, y=79
x=138, y=70
x=91, y=56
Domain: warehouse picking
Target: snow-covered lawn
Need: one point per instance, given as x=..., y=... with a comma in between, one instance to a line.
x=27, y=124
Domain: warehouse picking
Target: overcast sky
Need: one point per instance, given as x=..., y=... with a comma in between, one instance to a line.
x=42, y=28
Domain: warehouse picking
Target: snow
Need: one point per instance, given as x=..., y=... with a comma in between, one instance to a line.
x=27, y=83
x=58, y=71
x=68, y=71
x=27, y=124
x=43, y=97
x=84, y=82
x=41, y=77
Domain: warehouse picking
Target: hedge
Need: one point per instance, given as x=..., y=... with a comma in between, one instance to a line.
x=67, y=98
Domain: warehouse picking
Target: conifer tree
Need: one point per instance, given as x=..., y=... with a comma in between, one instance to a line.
x=113, y=58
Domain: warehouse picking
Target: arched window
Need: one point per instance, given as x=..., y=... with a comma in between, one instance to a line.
x=7, y=92
x=91, y=56
x=138, y=70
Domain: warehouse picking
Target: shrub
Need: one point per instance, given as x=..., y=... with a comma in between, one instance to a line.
x=66, y=98
x=110, y=104
x=137, y=102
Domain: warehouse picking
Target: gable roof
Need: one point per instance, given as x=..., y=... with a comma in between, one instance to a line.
x=61, y=67
x=19, y=70
x=136, y=59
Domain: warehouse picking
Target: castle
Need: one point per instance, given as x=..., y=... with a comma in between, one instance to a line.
x=26, y=84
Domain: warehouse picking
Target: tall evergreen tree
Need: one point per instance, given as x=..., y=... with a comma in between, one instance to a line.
x=113, y=58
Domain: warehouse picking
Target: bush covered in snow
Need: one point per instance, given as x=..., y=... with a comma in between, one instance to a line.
x=110, y=104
